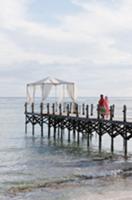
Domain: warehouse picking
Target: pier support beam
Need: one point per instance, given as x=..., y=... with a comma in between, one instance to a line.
x=33, y=122
x=125, y=148
x=41, y=120
x=112, y=144
x=100, y=143
x=25, y=117
x=69, y=138
x=49, y=128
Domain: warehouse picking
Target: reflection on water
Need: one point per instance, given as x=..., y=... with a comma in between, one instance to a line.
x=40, y=168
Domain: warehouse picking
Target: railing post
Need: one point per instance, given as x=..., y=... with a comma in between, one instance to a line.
x=76, y=110
x=83, y=109
x=91, y=110
x=111, y=113
x=53, y=108
x=98, y=113
x=87, y=111
x=124, y=113
x=68, y=110
x=113, y=109
x=64, y=107
x=48, y=108
x=60, y=109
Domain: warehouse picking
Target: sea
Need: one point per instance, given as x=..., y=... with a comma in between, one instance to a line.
x=38, y=168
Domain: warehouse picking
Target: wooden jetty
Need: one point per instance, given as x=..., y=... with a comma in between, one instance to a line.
x=79, y=123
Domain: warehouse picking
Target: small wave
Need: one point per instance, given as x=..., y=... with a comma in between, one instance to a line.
x=28, y=187
x=73, y=181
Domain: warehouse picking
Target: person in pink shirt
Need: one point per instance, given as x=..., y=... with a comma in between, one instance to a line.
x=101, y=104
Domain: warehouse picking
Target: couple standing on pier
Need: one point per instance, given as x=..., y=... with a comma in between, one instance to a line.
x=104, y=107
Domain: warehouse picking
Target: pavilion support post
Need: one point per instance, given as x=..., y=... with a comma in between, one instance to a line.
x=33, y=122
x=41, y=120
x=25, y=117
x=60, y=109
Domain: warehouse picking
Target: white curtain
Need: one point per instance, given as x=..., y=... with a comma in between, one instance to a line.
x=46, y=88
x=31, y=93
x=71, y=91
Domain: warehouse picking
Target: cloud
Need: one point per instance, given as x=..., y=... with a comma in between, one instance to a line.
x=86, y=46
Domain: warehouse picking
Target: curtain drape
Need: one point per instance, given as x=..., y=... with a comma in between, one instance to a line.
x=31, y=94
x=71, y=91
x=46, y=88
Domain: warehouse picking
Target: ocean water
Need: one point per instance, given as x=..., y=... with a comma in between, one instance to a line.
x=33, y=168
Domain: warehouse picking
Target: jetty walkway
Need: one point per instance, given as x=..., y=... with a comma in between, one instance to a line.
x=79, y=123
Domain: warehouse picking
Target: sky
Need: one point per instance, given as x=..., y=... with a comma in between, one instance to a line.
x=88, y=42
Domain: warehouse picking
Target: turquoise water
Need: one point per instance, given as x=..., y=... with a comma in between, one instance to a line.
x=37, y=168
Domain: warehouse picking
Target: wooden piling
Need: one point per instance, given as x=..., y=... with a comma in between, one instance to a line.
x=41, y=120
x=125, y=132
x=78, y=137
x=54, y=131
x=100, y=135
x=69, y=138
x=49, y=128
x=25, y=117
x=33, y=122
x=112, y=137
